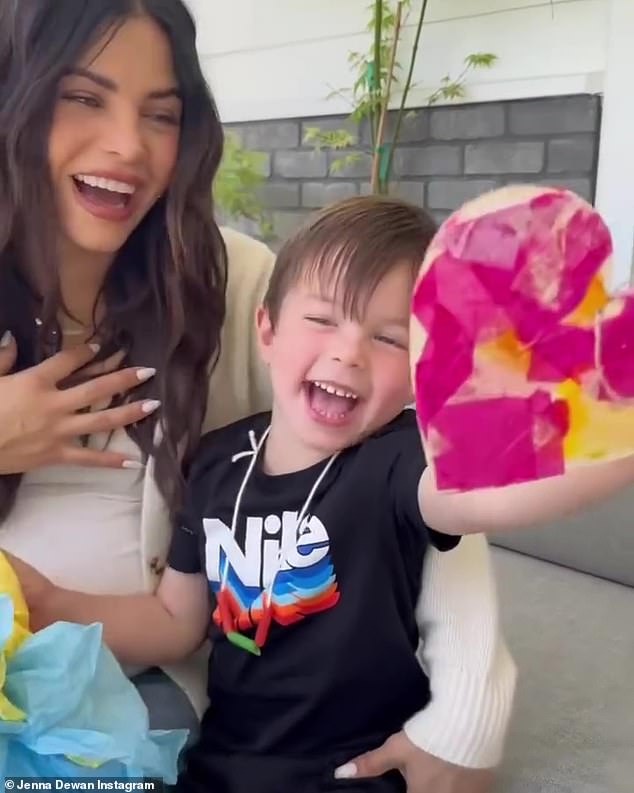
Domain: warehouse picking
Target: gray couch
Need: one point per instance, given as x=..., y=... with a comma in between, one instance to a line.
x=567, y=594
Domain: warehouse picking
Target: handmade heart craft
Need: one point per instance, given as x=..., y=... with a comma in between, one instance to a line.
x=522, y=361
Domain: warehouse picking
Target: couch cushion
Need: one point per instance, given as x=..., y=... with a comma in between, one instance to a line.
x=572, y=637
x=598, y=541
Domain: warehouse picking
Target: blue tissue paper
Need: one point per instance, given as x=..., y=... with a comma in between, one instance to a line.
x=83, y=717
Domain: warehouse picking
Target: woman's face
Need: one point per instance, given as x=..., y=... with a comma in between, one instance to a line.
x=114, y=137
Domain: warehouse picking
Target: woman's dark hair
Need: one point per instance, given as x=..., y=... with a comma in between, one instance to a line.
x=164, y=294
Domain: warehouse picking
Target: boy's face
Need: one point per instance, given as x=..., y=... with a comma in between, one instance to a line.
x=337, y=379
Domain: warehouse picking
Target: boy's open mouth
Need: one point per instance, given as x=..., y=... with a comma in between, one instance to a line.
x=331, y=401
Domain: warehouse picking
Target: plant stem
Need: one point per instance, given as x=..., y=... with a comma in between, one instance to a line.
x=378, y=155
x=408, y=83
x=375, y=90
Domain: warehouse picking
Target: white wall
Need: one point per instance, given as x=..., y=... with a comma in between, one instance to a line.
x=615, y=178
x=281, y=58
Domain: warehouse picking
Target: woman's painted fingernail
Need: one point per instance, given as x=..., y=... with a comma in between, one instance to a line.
x=5, y=341
x=136, y=465
x=150, y=406
x=145, y=374
x=94, y=347
x=347, y=771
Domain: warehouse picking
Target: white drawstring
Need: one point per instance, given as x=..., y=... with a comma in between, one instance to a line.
x=234, y=520
x=280, y=556
x=253, y=453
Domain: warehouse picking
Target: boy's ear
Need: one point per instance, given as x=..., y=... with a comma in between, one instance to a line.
x=265, y=332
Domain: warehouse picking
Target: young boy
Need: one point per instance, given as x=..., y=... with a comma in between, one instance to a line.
x=309, y=528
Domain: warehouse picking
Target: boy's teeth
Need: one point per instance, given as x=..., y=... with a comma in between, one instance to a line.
x=106, y=184
x=331, y=415
x=330, y=389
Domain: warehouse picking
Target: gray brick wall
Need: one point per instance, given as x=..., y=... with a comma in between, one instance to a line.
x=447, y=156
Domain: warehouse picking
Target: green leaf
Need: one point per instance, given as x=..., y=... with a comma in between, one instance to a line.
x=481, y=60
x=239, y=176
x=452, y=91
x=359, y=90
x=329, y=139
x=311, y=134
x=336, y=166
x=360, y=112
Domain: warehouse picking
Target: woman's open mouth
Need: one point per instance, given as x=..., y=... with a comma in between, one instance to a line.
x=107, y=199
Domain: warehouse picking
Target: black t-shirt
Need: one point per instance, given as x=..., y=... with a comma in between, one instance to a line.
x=339, y=667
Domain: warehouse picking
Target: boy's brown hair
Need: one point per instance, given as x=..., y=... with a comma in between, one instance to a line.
x=351, y=246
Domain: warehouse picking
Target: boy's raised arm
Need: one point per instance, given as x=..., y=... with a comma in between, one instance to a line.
x=521, y=505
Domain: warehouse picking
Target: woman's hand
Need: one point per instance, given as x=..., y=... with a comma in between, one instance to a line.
x=40, y=422
x=423, y=772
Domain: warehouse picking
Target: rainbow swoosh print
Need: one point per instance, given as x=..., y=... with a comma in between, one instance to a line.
x=297, y=593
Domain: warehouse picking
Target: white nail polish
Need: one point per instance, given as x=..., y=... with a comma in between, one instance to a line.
x=347, y=771
x=133, y=464
x=150, y=406
x=145, y=374
x=94, y=347
x=5, y=341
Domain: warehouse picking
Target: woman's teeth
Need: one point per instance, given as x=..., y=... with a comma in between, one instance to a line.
x=106, y=184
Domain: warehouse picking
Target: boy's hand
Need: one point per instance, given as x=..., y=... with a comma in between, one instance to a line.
x=36, y=588
x=423, y=772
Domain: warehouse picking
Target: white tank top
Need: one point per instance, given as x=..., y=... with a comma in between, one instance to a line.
x=81, y=527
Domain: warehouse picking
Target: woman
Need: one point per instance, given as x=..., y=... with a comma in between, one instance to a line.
x=109, y=142
x=114, y=241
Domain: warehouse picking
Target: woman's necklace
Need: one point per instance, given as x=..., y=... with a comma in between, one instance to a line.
x=77, y=329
